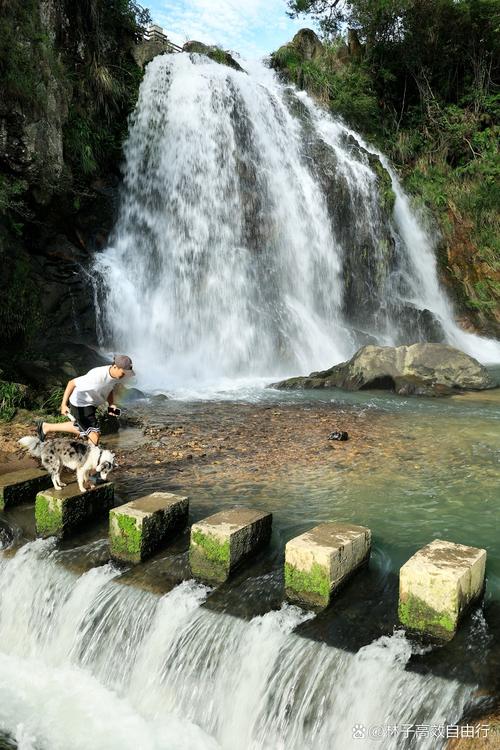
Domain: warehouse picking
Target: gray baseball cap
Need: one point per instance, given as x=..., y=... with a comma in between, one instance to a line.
x=123, y=362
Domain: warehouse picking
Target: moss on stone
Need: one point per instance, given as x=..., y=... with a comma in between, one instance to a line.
x=48, y=516
x=386, y=193
x=316, y=581
x=215, y=551
x=127, y=541
x=210, y=560
x=415, y=614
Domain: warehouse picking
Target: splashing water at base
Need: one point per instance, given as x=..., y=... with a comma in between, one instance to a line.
x=252, y=239
x=88, y=662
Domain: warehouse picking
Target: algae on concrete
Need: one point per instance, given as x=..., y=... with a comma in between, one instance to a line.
x=311, y=586
x=125, y=536
x=208, y=557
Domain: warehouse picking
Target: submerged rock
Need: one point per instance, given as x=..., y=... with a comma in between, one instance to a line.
x=420, y=369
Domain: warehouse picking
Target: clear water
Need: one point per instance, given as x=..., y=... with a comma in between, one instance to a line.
x=93, y=656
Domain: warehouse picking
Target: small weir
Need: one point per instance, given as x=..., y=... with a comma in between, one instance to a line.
x=437, y=585
x=141, y=669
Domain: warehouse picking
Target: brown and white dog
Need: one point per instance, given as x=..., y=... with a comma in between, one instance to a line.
x=84, y=458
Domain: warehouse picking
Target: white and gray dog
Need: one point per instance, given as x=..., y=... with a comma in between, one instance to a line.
x=84, y=458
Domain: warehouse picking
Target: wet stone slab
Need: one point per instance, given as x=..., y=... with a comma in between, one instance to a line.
x=438, y=584
x=59, y=512
x=319, y=561
x=139, y=528
x=223, y=541
x=22, y=486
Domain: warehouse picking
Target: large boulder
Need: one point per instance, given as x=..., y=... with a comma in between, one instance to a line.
x=214, y=53
x=420, y=369
x=307, y=44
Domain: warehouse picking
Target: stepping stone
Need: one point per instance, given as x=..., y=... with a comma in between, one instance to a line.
x=22, y=486
x=221, y=542
x=58, y=512
x=319, y=561
x=137, y=529
x=437, y=585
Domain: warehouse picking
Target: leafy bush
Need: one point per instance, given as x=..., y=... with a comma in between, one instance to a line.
x=12, y=396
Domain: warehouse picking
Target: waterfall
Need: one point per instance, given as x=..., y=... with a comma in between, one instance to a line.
x=258, y=236
x=88, y=662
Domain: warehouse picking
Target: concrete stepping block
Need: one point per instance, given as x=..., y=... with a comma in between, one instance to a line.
x=221, y=542
x=138, y=529
x=59, y=512
x=319, y=561
x=437, y=585
x=22, y=486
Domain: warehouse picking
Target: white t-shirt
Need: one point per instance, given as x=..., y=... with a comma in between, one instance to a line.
x=93, y=388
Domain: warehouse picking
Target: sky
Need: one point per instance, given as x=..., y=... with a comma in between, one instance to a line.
x=253, y=28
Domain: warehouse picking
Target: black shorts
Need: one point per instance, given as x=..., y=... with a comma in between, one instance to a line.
x=85, y=419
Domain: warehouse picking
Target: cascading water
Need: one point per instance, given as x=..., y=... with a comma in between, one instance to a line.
x=257, y=236
x=88, y=662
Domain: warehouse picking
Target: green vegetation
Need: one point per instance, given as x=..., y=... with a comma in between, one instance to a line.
x=20, y=308
x=209, y=559
x=12, y=396
x=68, y=81
x=48, y=516
x=421, y=82
x=105, y=83
x=212, y=549
x=416, y=615
x=126, y=536
x=315, y=582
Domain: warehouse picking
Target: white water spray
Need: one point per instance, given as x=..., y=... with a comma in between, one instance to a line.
x=88, y=662
x=251, y=240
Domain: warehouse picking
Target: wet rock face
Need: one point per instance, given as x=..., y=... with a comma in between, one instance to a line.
x=420, y=369
x=31, y=133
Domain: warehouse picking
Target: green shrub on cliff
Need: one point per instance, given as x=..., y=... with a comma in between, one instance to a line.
x=421, y=80
x=12, y=396
x=105, y=80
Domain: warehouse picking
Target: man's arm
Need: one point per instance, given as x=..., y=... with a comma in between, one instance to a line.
x=67, y=393
x=111, y=398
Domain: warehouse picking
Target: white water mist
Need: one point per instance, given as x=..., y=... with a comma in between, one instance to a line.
x=88, y=662
x=226, y=263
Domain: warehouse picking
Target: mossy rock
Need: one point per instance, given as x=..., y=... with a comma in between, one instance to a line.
x=216, y=54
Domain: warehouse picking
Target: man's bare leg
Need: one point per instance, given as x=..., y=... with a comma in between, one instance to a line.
x=59, y=427
x=68, y=427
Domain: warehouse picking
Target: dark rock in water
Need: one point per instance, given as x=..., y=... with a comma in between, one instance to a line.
x=419, y=369
x=214, y=53
x=338, y=435
x=159, y=398
x=129, y=395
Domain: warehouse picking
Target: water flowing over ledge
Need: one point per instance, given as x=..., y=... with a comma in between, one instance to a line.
x=87, y=662
x=259, y=236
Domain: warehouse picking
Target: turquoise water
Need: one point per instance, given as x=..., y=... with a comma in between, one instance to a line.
x=439, y=478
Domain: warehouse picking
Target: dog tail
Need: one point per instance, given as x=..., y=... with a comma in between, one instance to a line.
x=33, y=445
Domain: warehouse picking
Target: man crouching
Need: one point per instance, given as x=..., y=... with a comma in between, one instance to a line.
x=84, y=394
